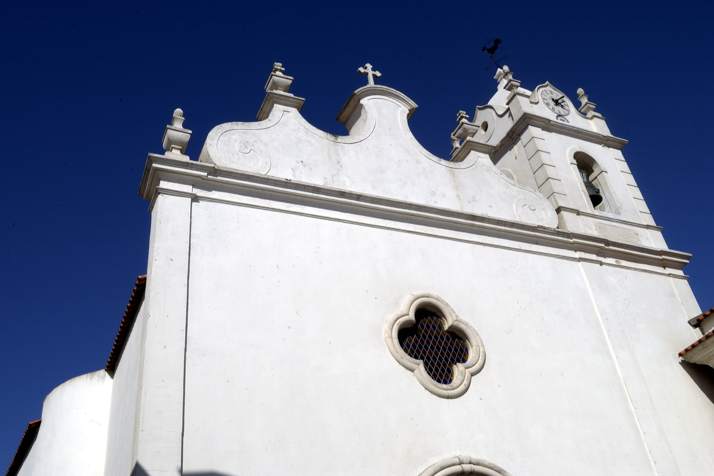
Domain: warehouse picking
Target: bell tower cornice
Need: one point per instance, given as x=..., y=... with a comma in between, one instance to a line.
x=566, y=152
x=496, y=148
x=513, y=108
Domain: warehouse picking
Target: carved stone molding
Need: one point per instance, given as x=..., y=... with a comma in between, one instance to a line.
x=187, y=178
x=463, y=465
x=462, y=371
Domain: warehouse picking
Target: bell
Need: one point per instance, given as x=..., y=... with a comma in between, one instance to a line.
x=593, y=191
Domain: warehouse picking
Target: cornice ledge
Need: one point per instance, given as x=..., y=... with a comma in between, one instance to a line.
x=157, y=164
x=640, y=254
x=550, y=125
x=160, y=168
x=596, y=216
x=470, y=145
x=529, y=119
x=273, y=98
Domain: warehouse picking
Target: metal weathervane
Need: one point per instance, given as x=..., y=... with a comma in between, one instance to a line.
x=490, y=51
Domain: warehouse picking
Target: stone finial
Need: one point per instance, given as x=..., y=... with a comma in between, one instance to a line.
x=176, y=137
x=582, y=96
x=371, y=73
x=587, y=107
x=278, y=80
x=277, y=92
x=464, y=129
x=177, y=118
x=503, y=72
x=278, y=68
x=504, y=76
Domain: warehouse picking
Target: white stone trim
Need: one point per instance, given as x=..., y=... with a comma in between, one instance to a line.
x=462, y=465
x=527, y=119
x=605, y=216
x=462, y=372
x=209, y=182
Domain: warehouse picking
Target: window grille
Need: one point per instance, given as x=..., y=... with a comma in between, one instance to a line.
x=429, y=342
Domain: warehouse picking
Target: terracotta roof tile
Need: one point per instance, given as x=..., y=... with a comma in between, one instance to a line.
x=697, y=342
x=28, y=439
x=126, y=324
x=696, y=321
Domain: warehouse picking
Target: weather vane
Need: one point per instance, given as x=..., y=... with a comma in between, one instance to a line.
x=491, y=49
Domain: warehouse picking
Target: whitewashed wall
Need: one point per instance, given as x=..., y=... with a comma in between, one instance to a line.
x=125, y=405
x=73, y=434
x=301, y=245
x=276, y=261
x=288, y=372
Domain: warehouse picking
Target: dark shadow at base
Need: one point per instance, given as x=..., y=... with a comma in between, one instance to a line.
x=208, y=473
x=703, y=376
x=140, y=471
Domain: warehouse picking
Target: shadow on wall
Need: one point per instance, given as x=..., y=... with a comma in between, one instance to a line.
x=703, y=376
x=140, y=471
x=208, y=473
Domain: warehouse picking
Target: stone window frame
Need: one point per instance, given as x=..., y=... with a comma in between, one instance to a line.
x=464, y=465
x=406, y=316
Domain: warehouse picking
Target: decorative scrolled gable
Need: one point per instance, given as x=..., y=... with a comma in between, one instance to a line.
x=379, y=157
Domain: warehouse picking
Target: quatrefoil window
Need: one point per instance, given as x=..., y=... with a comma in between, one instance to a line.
x=429, y=339
x=462, y=466
x=440, y=350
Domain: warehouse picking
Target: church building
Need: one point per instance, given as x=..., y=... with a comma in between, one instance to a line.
x=354, y=305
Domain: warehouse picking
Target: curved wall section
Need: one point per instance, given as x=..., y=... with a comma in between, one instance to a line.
x=73, y=436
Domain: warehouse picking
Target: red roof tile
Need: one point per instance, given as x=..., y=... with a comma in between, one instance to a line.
x=127, y=322
x=697, y=342
x=28, y=439
x=696, y=321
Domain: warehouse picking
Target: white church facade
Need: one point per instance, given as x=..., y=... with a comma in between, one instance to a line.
x=355, y=305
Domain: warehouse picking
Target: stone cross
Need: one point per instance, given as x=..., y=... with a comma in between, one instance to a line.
x=371, y=73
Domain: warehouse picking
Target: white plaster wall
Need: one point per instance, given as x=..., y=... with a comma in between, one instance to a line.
x=516, y=162
x=125, y=406
x=647, y=326
x=288, y=373
x=73, y=434
x=160, y=424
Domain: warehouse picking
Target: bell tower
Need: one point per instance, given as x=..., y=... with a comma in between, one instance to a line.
x=542, y=140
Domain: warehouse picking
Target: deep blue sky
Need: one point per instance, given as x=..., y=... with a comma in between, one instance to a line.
x=86, y=91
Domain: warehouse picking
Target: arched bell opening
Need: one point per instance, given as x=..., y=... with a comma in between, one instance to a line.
x=588, y=172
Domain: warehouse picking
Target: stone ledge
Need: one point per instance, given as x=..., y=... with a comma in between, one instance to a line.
x=189, y=175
